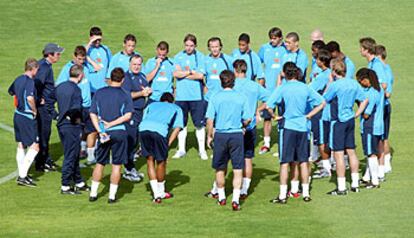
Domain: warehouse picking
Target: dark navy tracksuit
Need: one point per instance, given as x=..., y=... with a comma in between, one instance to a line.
x=134, y=83
x=45, y=85
x=69, y=101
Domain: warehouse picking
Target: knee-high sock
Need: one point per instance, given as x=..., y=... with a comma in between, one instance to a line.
x=182, y=136
x=201, y=138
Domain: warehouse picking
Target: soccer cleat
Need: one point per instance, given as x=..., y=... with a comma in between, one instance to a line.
x=84, y=188
x=222, y=202
x=293, y=195
x=235, y=206
x=337, y=192
x=307, y=199
x=25, y=182
x=179, y=154
x=167, y=195
x=322, y=174
x=30, y=178
x=203, y=155
x=355, y=189
x=70, y=191
x=50, y=167
x=372, y=186
x=244, y=196
x=381, y=179
x=132, y=175
x=264, y=150
x=363, y=182
x=83, y=154
x=278, y=200
x=211, y=195
x=157, y=200
x=112, y=201
x=93, y=199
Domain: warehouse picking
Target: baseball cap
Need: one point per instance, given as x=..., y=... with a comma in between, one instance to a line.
x=52, y=48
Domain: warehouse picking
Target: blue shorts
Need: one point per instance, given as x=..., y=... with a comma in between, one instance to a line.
x=266, y=115
x=88, y=125
x=154, y=144
x=370, y=142
x=342, y=135
x=249, y=143
x=228, y=146
x=318, y=129
x=118, y=144
x=387, y=121
x=25, y=130
x=197, y=110
x=293, y=146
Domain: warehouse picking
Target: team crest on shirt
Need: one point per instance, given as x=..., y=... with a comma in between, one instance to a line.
x=214, y=71
x=99, y=60
x=187, y=67
x=276, y=60
x=162, y=73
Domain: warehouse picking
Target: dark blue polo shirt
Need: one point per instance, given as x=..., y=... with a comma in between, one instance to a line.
x=45, y=83
x=135, y=83
x=68, y=97
x=21, y=88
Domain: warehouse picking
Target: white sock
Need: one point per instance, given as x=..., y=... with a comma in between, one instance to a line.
x=19, y=160
x=309, y=179
x=294, y=186
x=201, y=138
x=266, y=141
x=161, y=188
x=236, y=195
x=94, y=189
x=112, y=191
x=373, y=169
x=326, y=164
x=341, y=183
x=387, y=160
x=305, y=190
x=154, y=187
x=65, y=188
x=367, y=174
x=91, y=154
x=245, y=185
x=315, y=152
x=354, y=180
x=221, y=193
x=28, y=160
x=83, y=145
x=182, y=136
x=214, y=189
x=283, y=191
x=381, y=171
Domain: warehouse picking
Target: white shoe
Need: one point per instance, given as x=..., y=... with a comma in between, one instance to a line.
x=203, y=155
x=179, y=154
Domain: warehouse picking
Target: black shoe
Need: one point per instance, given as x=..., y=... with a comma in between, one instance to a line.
x=372, y=186
x=307, y=199
x=31, y=178
x=50, y=167
x=355, y=189
x=42, y=169
x=337, y=192
x=111, y=201
x=278, y=200
x=70, y=191
x=363, y=182
x=25, y=182
x=244, y=196
x=84, y=188
x=93, y=199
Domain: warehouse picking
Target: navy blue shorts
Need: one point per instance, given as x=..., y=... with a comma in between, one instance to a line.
x=370, y=142
x=387, y=121
x=293, y=146
x=342, y=135
x=326, y=131
x=197, y=110
x=118, y=144
x=88, y=125
x=317, y=129
x=25, y=130
x=228, y=146
x=266, y=115
x=154, y=144
x=249, y=143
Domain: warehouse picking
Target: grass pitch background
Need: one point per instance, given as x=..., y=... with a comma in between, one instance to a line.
x=26, y=26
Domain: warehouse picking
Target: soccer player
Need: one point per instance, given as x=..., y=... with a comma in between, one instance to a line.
x=342, y=95
x=79, y=58
x=121, y=59
x=69, y=101
x=254, y=65
x=25, y=125
x=294, y=54
x=189, y=72
x=45, y=85
x=159, y=118
x=99, y=55
x=136, y=85
x=367, y=50
x=215, y=63
x=372, y=124
x=316, y=35
x=294, y=97
x=228, y=113
x=336, y=53
x=254, y=92
x=159, y=71
x=271, y=55
x=315, y=69
x=111, y=108
x=320, y=122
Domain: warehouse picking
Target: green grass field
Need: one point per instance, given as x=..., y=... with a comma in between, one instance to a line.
x=26, y=26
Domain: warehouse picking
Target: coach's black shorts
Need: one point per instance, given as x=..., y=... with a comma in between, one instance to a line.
x=197, y=110
x=228, y=146
x=25, y=130
x=342, y=135
x=154, y=144
x=118, y=144
x=387, y=121
x=293, y=146
x=249, y=143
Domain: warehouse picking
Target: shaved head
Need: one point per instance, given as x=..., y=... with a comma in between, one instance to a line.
x=316, y=35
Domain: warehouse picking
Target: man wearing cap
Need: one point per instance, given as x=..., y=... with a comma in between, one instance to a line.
x=45, y=85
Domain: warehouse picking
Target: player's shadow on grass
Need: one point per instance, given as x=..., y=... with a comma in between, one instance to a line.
x=258, y=175
x=124, y=187
x=173, y=179
x=56, y=152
